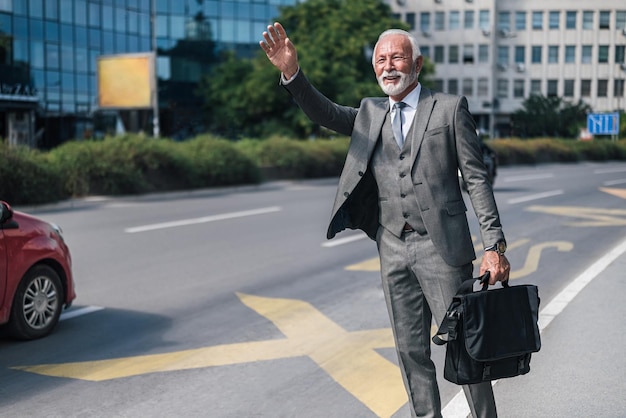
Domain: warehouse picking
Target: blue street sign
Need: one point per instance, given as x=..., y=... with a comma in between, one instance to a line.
x=603, y=123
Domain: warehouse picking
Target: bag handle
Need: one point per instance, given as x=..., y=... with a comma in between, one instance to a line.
x=448, y=325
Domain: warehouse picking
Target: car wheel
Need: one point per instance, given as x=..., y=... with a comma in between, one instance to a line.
x=37, y=304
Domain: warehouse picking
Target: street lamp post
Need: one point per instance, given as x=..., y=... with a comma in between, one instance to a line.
x=155, y=79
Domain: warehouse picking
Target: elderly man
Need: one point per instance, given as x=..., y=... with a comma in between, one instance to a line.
x=399, y=184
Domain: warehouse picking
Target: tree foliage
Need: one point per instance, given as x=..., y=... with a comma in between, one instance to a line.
x=542, y=116
x=334, y=40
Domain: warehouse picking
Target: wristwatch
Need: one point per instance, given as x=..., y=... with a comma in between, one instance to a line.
x=499, y=247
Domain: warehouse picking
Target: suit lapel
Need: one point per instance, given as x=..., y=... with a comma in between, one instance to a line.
x=420, y=123
x=376, y=125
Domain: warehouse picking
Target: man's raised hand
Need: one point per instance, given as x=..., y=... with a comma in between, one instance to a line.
x=279, y=50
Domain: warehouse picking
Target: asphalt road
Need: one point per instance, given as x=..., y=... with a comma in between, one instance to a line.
x=231, y=303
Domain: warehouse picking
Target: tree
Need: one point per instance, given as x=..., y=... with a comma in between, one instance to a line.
x=549, y=116
x=334, y=38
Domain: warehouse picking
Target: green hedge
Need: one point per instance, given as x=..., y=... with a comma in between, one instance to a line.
x=545, y=150
x=135, y=164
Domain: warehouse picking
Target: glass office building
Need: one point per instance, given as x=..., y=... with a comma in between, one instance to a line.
x=49, y=51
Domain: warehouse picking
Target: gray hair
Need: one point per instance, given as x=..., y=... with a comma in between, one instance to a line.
x=414, y=45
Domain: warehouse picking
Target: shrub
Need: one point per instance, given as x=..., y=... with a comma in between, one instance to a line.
x=280, y=157
x=217, y=162
x=28, y=177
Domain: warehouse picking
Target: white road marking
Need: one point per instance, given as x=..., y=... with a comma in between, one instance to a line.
x=528, y=177
x=610, y=170
x=205, y=219
x=341, y=241
x=534, y=197
x=457, y=407
x=614, y=182
x=78, y=312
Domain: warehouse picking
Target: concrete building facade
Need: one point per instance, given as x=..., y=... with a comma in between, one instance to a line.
x=499, y=52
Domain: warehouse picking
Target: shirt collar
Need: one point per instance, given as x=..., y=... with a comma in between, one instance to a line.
x=411, y=99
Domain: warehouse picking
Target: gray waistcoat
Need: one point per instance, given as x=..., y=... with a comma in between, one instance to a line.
x=391, y=167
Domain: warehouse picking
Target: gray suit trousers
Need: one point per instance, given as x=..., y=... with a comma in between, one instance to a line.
x=418, y=286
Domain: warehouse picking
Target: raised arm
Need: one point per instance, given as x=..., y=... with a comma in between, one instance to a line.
x=279, y=50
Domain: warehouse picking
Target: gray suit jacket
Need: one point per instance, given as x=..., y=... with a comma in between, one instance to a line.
x=443, y=141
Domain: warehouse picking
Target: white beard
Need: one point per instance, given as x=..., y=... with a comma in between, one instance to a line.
x=395, y=89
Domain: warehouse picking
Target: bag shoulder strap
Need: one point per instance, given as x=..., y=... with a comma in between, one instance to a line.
x=453, y=315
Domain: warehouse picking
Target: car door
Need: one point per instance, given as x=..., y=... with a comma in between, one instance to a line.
x=3, y=269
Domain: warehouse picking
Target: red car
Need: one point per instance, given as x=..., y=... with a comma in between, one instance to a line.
x=35, y=274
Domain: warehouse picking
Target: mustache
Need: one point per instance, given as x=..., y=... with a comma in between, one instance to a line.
x=393, y=73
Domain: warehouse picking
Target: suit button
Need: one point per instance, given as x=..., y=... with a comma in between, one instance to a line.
x=406, y=215
x=360, y=174
x=402, y=156
x=402, y=175
x=402, y=195
x=346, y=194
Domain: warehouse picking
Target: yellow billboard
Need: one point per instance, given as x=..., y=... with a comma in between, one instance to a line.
x=126, y=81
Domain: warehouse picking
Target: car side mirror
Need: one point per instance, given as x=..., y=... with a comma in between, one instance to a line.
x=6, y=212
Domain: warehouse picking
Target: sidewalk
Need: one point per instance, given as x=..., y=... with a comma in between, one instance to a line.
x=580, y=370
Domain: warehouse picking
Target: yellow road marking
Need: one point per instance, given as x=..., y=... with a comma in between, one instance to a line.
x=348, y=357
x=615, y=192
x=532, y=260
x=594, y=216
x=373, y=264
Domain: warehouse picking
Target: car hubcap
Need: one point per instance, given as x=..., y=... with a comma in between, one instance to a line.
x=40, y=303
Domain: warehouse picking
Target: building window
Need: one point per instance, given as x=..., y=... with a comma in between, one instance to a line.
x=618, y=87
x=553, y=54
x=535, y=86
x=553, y=86
x=453, y=86
x=483, y=20
x=453, y=54
x=410, y=20
x=425, y=50
x=585, y=88
x=439, y=20
x=603, y=54
x=6, y=6
x=468, y=54
x=518, y=89
x=586, y=54
x=438, y=84
x=503, y=56
x=520, y=20
x=482, y=89
x=620, y=19
x=52, y=56
x=504, y=21
x=603, y=86
x=536, y=54
x=554, y=19
x=570, y=54
x=503, y=88
x=568, y=88
x=454, y=20
x=587, y=19
x=537, y=20
x=570, y=19
x=605, y=19
x=468, y=21
x=439, y=54
x=425, y=22
x=483, y=53
x=619, y=53
x=520, y=54
x=468, y=87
